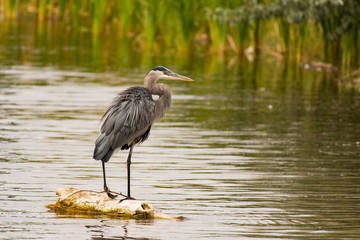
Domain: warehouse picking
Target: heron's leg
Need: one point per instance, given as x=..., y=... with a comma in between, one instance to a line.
x=128, y=171
x=106, y=189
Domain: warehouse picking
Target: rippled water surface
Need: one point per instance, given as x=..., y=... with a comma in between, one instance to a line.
x=235, y=163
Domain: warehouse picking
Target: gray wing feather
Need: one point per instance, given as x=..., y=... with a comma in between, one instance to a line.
x=129, y=116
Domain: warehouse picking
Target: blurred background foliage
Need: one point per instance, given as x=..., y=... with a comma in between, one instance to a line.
x=315, y=34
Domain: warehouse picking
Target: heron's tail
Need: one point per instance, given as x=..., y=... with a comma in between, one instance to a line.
x=103, y=150
x=105, y=158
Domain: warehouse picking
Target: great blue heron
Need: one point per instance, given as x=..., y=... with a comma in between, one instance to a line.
x=128, y=119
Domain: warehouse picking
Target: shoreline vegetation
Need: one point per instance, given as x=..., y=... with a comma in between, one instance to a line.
x=322, y=35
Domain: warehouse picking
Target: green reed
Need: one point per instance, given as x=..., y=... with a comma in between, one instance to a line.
x=304, y=30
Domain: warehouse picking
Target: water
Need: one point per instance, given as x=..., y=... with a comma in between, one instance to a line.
x=237, y=157
x=251, y=165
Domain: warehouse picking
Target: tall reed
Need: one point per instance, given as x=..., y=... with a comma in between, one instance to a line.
x=223, y=28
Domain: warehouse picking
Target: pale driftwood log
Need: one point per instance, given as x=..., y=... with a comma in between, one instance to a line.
x=92, y=202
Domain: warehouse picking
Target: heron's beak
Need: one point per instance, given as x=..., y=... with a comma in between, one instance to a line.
x=175, y=76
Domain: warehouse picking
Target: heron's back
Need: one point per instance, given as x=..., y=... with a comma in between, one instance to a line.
x=127, y=121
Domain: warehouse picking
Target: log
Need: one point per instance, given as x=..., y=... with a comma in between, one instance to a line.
x=72, y=200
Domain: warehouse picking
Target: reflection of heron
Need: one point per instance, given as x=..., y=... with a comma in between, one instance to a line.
x=128, y=119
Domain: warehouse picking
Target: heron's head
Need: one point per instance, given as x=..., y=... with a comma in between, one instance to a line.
x=164, y=73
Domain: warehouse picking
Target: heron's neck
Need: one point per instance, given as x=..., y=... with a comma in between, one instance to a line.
x=164, y=101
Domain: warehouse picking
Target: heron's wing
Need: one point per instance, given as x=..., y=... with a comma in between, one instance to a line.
x=128, y=117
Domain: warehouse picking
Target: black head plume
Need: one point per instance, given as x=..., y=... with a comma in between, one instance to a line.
x=161, y=68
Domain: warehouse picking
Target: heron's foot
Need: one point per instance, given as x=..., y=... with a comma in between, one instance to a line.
x=127, y=198
x=114, y=195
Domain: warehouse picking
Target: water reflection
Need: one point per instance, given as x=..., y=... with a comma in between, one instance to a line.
x=23, y=42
